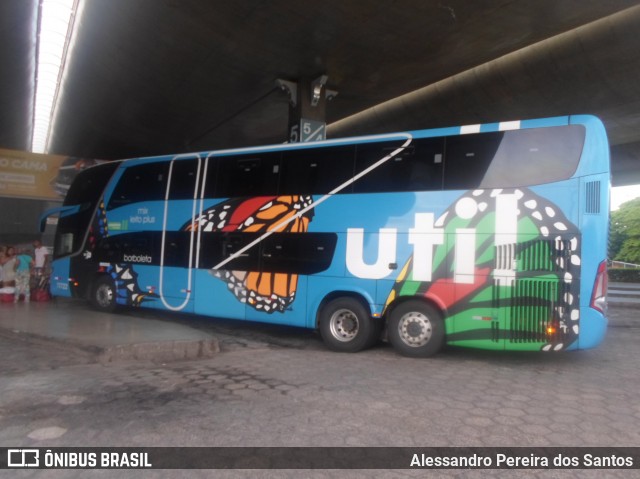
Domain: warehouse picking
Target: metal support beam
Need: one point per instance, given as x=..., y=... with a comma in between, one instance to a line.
x=307, y=108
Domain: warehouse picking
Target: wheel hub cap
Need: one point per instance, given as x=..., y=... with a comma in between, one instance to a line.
x=104, y=296
x=415, y=329
x=344, y=325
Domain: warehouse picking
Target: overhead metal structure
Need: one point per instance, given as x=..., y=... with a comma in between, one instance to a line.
x=159, y=76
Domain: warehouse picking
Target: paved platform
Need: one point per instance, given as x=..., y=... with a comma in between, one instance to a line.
x=104, y=337
x=294, y=394
x=145, y=334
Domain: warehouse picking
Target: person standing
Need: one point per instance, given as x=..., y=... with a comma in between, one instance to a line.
x=24, y=265
x=41, y=254
x=2, y=250
x=9, y=267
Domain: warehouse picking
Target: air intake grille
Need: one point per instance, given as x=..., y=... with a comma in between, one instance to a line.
x=533, y=310
x=534, y=305
x=592, y=197
x=551, y=255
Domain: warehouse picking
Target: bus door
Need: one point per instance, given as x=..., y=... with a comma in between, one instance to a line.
x=178, y=249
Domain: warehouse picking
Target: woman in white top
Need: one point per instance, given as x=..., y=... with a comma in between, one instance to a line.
x=9, y=267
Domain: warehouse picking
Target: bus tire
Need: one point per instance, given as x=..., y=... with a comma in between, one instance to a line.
x=346, y=325
x=103, y=294
x=416, y=329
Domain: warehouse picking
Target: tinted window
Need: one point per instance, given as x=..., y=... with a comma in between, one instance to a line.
x=248, y=175
x=65, y=242
x=140, y=183
x=534, y=156
x=467, y=159
x=184, y=174
x=216, y=247
x=89, y=184
x=316, y=170
x=86, y=190
x=294, y=253
x=129, y=248
x=297, y=253
x=176, y=248
x=513, y=158
x=210, y=174
x=417, y=167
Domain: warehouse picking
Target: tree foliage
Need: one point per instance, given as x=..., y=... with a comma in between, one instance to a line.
x=624, y=238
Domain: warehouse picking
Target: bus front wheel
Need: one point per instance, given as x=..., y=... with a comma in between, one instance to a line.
x=346, y=325
x=416, y=329
x=103, y=297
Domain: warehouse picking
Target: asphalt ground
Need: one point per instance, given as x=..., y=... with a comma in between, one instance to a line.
x=274, y=386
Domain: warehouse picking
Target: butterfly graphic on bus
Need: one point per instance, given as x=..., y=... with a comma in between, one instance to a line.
x=123, y=275
x=523, y=292
x=264, y=291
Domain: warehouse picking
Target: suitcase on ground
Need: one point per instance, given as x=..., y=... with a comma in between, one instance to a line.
x=40, y=295
x=6, y=298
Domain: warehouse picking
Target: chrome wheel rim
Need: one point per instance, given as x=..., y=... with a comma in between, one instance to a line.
x=415, y=329
x=104, y=295
x=344, y=325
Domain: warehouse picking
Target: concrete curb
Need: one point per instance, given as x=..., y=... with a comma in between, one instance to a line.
x=164, y=351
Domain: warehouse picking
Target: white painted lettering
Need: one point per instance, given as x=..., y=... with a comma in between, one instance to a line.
x=465, y=256
x=424, y=237
x=386, y=253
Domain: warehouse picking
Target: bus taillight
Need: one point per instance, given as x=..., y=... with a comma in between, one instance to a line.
x=599, y=295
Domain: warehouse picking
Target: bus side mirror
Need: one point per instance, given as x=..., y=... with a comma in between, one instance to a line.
x=61, y=210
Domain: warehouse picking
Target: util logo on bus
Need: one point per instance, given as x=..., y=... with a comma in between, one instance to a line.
x=427, y=234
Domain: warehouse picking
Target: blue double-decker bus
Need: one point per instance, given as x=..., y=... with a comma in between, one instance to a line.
x=490, y=236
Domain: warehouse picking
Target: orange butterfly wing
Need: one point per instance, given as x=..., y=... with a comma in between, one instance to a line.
x=264, y=291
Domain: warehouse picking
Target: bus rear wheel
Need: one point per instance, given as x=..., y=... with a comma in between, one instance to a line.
x=103, y=296
x=416, y=329
x=346, y=326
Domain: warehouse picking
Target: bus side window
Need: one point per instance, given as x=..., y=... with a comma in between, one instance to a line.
x=294, y=253
x=316, y=170
x=217, y=247
x=176, y=249
x=416, y=168
x=467, y=159
x=145, y=182
x=210, y=176
x=232, y=244
x=183, y=179
x=248, y=175
x=64, y=244
x=108, y=250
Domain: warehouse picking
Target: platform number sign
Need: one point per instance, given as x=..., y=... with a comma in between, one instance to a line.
x=307, y=130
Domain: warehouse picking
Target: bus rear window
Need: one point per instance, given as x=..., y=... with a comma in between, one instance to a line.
x=535, y=156
x=512, y=158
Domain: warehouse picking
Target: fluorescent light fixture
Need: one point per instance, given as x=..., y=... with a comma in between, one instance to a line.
x=55, y=28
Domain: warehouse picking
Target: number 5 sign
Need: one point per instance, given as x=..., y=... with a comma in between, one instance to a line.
x=307, y=130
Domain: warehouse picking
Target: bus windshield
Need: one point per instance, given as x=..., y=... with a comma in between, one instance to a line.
x=85, y=192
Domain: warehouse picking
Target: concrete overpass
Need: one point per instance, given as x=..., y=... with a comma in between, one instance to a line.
x=161, y=76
